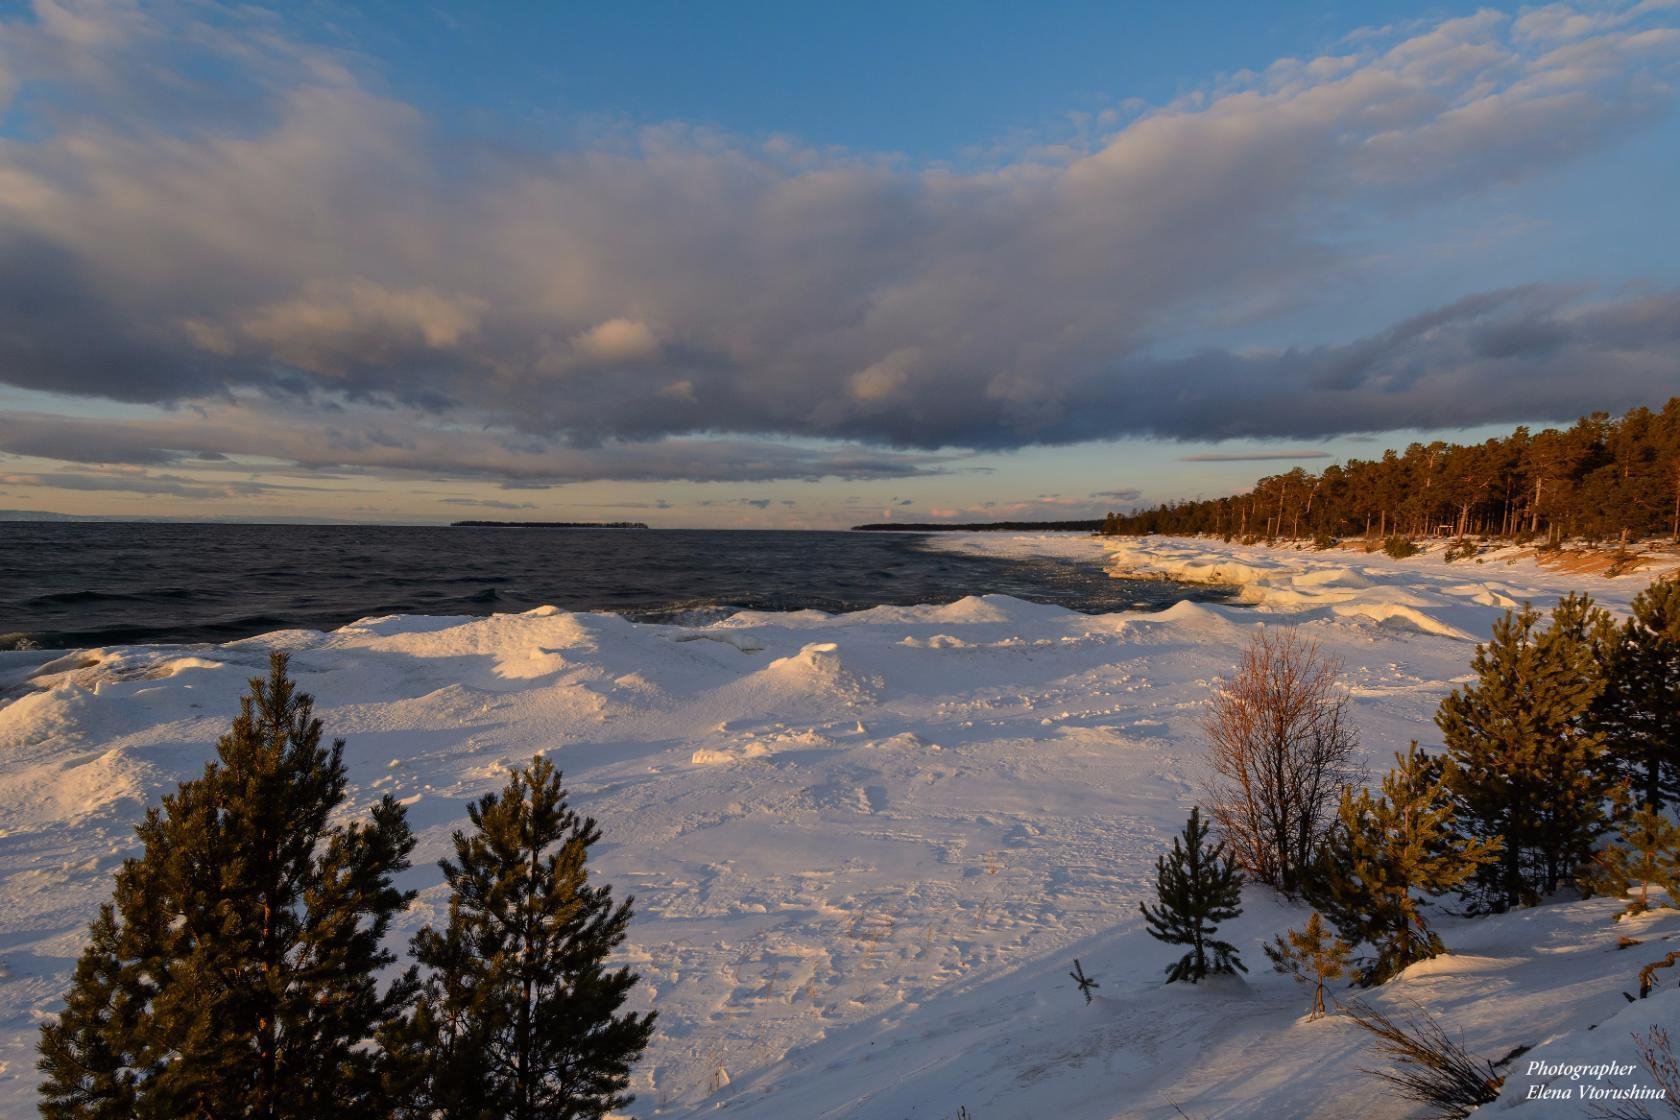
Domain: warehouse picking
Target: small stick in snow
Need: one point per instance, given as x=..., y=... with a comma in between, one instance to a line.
x=1085, y=982
x=1648, y=974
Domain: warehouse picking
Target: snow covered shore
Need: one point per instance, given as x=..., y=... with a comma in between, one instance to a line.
x=865, y=848
x=1423, y=592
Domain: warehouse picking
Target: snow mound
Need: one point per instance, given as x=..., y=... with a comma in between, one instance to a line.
x=44, y=715
x=1404, y=616
x=819, y=669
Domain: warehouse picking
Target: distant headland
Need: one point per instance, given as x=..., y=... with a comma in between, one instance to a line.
x=547, y=525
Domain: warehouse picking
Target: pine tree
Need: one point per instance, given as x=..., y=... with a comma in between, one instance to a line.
x=1647, y=854
x=1639, y=710
x=1385, y=855
x=1312, y=955
x=1196, y=888
x=236, y=973
x=519, y=1015
x=1527, y=767
x=85, y=1055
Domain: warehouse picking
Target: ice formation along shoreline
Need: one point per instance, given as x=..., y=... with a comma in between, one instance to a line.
x=864, y=847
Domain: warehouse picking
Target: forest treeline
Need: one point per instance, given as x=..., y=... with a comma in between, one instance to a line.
x=1602, y=478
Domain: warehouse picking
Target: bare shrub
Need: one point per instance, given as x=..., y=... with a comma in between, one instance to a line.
x=1431, y=1068
x=1657, y=1055
x=1282, y=749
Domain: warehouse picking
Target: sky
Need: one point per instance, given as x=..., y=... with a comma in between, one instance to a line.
x=772, y=265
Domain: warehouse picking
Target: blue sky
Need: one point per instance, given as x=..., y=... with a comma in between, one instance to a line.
x=769, y=264
x=933, y=81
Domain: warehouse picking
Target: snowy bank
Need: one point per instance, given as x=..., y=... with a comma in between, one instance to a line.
x=1426, y=592
x=865, y=848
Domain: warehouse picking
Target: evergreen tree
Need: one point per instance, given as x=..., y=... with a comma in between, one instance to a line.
x=1639, y=710
x=1385, y=855
x=1313, y=955
x=235, y=974
x=1647, y=855
x=519, y=1015
x=1196, y=888
x=1602, y=479
x=1527, y=766
x=85, y=1055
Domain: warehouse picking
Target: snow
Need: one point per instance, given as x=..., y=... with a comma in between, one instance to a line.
x=1425, y=592
x=865, y=849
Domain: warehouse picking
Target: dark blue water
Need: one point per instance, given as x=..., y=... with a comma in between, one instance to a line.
x=66, y=585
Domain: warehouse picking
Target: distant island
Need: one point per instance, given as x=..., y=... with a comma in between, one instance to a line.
x=547, y=525
x=980, y=526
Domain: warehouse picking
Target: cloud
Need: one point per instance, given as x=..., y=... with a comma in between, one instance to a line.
x=208, y=211
x=1514, y=354
x=140, y=482
x=335, y=326
x=744, y=503
x=1126, y=495
x=1252, y=456
x=397, y=441
x=488, y=503
x=884, y=380
x=1045, y=507
x=618, y=340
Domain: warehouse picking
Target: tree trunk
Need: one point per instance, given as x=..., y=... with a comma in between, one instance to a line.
x=523, y=1073
x=1513, y=869
x=265, y=1105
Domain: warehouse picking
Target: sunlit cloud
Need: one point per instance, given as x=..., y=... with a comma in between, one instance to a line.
x=1252, y=456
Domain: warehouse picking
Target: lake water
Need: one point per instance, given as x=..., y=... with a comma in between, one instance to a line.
x=70, y=584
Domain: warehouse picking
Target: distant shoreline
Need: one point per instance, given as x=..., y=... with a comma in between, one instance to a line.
x=547, y=525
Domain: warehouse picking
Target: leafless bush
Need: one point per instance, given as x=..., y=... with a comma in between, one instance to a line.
x=1283, y=748
x=1431, y=1068
x=1657, y=1055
